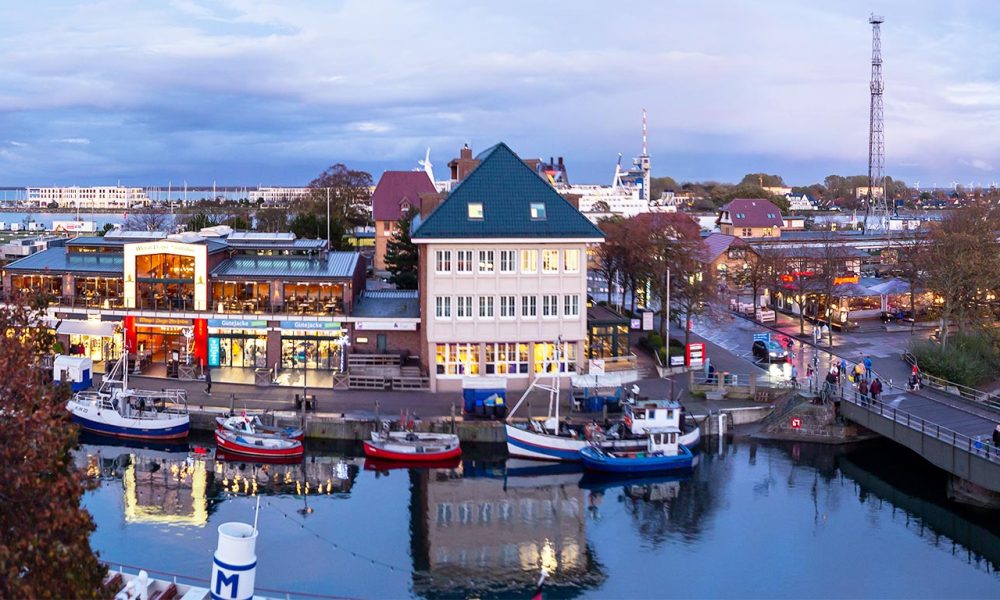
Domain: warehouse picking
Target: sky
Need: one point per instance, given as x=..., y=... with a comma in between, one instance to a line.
x=245, y=92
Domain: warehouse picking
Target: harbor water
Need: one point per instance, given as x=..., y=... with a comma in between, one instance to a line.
x=752, y=520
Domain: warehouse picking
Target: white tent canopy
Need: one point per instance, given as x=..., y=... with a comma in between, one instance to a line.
x=92, y=328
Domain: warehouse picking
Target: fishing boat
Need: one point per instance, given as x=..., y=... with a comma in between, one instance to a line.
x=641, y=416
x=663, y=454
x=119, y=411
x=412, y=447
x=257, y=447
x=251, y=425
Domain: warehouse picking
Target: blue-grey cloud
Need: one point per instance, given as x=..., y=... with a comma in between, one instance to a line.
x=248, y=91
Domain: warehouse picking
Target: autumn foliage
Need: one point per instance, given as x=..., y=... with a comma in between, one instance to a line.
x=44, y=545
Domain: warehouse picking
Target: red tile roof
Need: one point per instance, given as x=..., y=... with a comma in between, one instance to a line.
x=395, y=187
x=752, y=212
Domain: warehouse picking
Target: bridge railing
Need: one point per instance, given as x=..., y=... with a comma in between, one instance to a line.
x=963, y=391
x=978, y=446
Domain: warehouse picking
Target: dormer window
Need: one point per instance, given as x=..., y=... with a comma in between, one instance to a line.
x=476, y=211
x=537, y=211
x=404, y=206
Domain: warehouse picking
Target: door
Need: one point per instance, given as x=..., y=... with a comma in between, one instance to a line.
x=382, y=343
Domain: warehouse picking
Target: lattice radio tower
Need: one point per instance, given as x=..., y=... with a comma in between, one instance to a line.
x=876, y=203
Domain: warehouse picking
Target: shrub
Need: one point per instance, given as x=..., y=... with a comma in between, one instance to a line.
x=969, y=359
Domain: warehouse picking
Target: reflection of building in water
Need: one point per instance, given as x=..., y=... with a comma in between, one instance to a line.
x=496, y=535
x=316, y=475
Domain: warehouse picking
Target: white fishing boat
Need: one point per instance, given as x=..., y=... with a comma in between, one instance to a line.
x=120, y=411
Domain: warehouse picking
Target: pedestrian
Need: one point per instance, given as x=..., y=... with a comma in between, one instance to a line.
x=795, y=376
x=875, y=389
x=809, y=372
x=868, y=367
x=843, y=366
x=863, y=391
x=914, y=382
x=208, y=379
x=859, y=372
x=996, y=436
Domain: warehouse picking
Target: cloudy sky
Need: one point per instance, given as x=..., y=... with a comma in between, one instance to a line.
x=247, y=92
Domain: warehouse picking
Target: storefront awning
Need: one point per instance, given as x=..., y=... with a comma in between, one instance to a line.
x=93, y=328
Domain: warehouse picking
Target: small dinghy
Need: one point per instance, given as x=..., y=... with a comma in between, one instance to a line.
x=664, y=454
x=411, y=446
x=256, y=446
x=251, y=425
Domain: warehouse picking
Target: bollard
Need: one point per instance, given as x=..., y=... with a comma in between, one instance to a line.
x=234, y=566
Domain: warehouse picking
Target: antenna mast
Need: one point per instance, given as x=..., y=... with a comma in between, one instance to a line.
x=876, y=203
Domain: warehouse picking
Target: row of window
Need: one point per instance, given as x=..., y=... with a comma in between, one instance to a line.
x=504, y=358
x=506, y=261
x=507, y=305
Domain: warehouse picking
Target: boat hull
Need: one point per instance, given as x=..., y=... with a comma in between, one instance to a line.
x=291, y=433
x=595, y=460
x=378, y=451
x=691, y=439
x=232, y=445
x=522, y=443
x=168, y=429
x=380, y=464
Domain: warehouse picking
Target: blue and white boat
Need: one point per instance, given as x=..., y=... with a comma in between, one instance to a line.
x=118, y=411
x=664, y=453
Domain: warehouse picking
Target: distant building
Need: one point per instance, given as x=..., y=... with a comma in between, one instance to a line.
x=503, y=277
x=750, y=218
x=104, y=197
x=777, y=190
x=396, y=193
x=726, y=256
x=800, y=202
x=861, y=192
x=279, y=196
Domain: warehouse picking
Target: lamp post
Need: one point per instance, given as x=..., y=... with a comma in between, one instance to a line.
x=305, y=372
x=327, y=218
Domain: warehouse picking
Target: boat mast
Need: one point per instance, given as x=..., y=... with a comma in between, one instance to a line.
x=552, y=388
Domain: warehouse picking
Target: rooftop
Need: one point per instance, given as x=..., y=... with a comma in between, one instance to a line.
x=388, y=304
x=336, y=265
x=396, y=189
x=753, y=212
x=717, y=243
x=58, y=260
x=504, y=198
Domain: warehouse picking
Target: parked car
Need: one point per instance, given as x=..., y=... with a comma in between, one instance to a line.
x=769, y=351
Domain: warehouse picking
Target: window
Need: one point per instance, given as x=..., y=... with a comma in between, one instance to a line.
x=545, y=359
x=486, y=261
x=529, y=261
x=571, y=305
x=507, y=261
x=464, y=261
x=529, y=306
x=550, y=305
x=457, y=359
x=486, y=307
x=571, y=260
x=747, y=232
x=442, y=307
x=507, y=307
x=476, y=211
x=537, y=211
x=506, y=359
x=464, y=310
x=442, y=261
x=550, y=261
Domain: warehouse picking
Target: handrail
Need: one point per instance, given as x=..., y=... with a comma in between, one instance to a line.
x=964, y=391
x=942, y=433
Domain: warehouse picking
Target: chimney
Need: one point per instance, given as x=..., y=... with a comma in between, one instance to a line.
x=465, y=153
x=429, y=202
x=560, y=163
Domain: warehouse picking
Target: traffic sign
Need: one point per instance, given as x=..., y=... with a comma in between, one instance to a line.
x=762, y=337
x=695, y=354
x=796, y=423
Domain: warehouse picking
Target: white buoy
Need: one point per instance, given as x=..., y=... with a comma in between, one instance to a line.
x=234, y=567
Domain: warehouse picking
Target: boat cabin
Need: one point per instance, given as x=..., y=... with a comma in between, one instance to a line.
x=646, y=415
x=664, y=441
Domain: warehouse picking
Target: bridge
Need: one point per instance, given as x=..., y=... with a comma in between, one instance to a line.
x=949, y=432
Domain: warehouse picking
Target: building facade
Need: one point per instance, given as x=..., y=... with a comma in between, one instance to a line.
x=396, y=194
x=102, y=197
x=750, y=218
x=503, y=277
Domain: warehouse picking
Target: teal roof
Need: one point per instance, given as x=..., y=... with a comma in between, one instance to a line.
x=58, y=260
x=507, y=188
x=337, y=265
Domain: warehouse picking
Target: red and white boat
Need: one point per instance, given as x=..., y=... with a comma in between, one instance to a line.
x=251, y=425
x=258, y=446
x=413, y=447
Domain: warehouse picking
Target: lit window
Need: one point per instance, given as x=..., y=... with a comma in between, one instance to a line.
x=537, y=211
x=443, y=261
x=457, y=359
x=506, y=359
x=486, y=261
x=476, y=210
x=529, y=261
x=571, y=261
x=550, y=261
x=545, y=357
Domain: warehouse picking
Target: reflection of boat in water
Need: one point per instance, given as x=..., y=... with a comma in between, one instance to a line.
x=532, y=473
x=602, y=482
x=174, y=447
x=232, y=457
x=378, y=464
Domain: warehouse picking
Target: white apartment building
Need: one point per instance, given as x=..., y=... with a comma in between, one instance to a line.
x=279, y=196
x=112, y=197
x=503, y=277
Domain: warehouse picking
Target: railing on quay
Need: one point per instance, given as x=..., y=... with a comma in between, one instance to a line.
x=187, y=305
x=987, y=399
x=982, y=448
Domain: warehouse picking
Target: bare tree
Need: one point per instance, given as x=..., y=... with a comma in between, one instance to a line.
x=149, y=220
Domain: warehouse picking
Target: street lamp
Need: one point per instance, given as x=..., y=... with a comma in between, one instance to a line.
x=305, y=372
x=342, y=342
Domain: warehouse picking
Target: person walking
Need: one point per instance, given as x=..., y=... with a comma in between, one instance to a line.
x=868, y=367
x=795, y=376
x=859, y=372
x=875, y=389
x=843, y=367
x=996, y=436
x=863, y=391
x=208, y=379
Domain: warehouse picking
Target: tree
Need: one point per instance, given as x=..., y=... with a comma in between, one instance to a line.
x=758, y=271
x=401, y=256
x=349, y=196
x=149, y=220
x=610, y=254
x=199, y=221
x=694, y=285
x=658, y=185
x=45, y=547
x=272, y=220
x=762, y=180
x=674, y=244
x=832, y=263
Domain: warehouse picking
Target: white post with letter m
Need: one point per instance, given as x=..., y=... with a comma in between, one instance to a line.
x=234, y=566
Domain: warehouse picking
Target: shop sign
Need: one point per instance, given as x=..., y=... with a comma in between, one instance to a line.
x=214, y=351
x=845, y=279
x=385, y=326
x=167, y=321
x=311, y=325
x=237, y=323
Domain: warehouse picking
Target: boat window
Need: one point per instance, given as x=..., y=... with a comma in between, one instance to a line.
x=652, y=414
x=673, y=438
x=670, y=413
x=640, y=414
